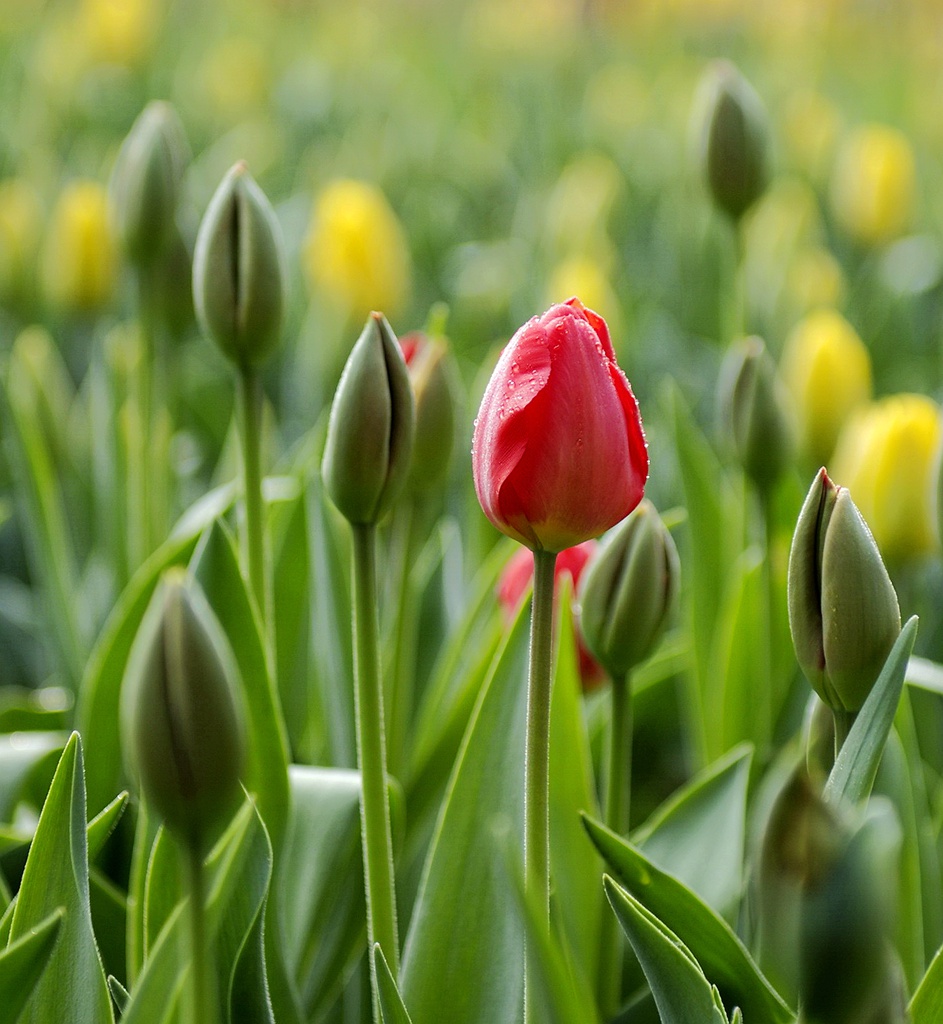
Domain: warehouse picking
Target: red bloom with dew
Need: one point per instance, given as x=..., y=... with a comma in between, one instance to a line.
x=559, y=453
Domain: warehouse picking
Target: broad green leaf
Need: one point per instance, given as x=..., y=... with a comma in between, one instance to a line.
x=163, y=887
x=698, y=835
x=216, y=568
x=119, y=994
x=100, y=691
x=926, y=674
x=682, y=993
x=22, y=964
x=718, y=950
x=104, y=823
x=74, y=990
x=926, y=1007
x=391, y=1002
x=856, y=765
x=324, y=923
x=464, y=948
x=110, y=921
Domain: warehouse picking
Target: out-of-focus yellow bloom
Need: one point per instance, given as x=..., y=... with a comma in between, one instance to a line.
x=580, y=202
x=586, y=278
x=887, y=457
x=235, y=77
x=119, y=31
x=815, y=279
x=527, y=27
x=810, y=125
x=873, y=184
x=20, y=228
x=80, y=256
x=356, y=251
x=827, y=369
x=618, y=99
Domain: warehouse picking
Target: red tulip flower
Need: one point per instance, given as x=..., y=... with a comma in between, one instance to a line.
x=559, y=454
x=516, y=578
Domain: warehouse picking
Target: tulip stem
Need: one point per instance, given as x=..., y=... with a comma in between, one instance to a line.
x=844, y=720
x=371, y=759
x=537, y=753
x=617, y=805
x=203, y=1007
x=250, y=422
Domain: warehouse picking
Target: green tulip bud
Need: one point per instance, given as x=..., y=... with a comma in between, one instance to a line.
x=370, y=432
x=734, y=139
x=843, y=610
x=147, y=181
x=756, y=413
x=431, y=375
x=628, y=589
x=181, y=714
x=238, y=271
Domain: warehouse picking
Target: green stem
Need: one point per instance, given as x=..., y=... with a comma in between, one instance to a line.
x=250, y=423
x=371, y=758
x=844, y=720
x=617, y=805
x=770, y=703
x=203, y=1006
x=537, y=753
x=402, y=683
x=738, y=305
x=140, y=464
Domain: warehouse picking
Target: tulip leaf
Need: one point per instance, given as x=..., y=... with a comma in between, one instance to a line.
x=926, y=1007
x=23, y=962
x=717, y=948
x=925, y=674
x=99, y=694
x=682, y=993
x=699, y=834
x=392, y=1007
x=856, y=765
x=104, y=823
x=21, y=757
x=73, y=990
x=464, y=948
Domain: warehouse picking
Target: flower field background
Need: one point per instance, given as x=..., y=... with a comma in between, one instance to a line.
x=266, y=684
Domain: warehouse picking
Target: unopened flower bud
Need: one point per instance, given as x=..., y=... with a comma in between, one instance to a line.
x=147, y=181
x=628, y=590
x=756, y=413
x=843, y=610
x=431, y=375
x=181, y=714
x=734, y=139
x=370, y=432
x=238, y=271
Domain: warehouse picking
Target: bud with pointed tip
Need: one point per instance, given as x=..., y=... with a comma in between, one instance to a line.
x=181, y=715
x=734, y=139
x=755, y=412
x=843, y=611
x=370, y=432
x=238, y=271
x=628, y=589
x=146, y=183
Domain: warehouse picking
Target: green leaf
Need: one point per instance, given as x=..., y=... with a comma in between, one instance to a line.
x=22, y=964
x=119, y=994
x=852, y=775
x=682, y=993
x=104, y=823
x=464, y=949
x=99, y=694
x=926, y=1007
x=699, y=834
x=719, y=951
x=20, y=757
x=391, y=1002
x=74, y=990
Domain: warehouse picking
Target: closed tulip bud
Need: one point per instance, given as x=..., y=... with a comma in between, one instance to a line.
x=559, y=454
x=756, y=414
x=238, y=271
x=628, y=590
x=827, y=369
x=734, y=139
x=146, y=183
x=843, y=610
x=432, y=377
x=181, y=715
x=370, y=432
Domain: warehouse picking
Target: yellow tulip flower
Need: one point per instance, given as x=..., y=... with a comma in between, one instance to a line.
x=887, y=457
x=119, y=31
x=356, y=252
x=586, y=278
x=827, y=368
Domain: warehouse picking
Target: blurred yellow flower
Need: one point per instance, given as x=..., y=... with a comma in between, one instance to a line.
x=873, y=184
x=815, y=278
x=235, y=77
x=119, y=31
x=827, y=369
x=356, y=252
x=20, y=229
x=887, y=457
x=580, y=203
x=810, y=126
x=585, y=278
x=80, y=257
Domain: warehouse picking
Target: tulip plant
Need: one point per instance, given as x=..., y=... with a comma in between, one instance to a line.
x=293, y=729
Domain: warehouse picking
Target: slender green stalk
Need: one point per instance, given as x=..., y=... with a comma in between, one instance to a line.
x=617, y=804
x=738, y=296
x=202, y=1004
x=844, y=720
x=401, y=686
x=250, y=424
x=770, y=703
x=371, y=758
x=537, y=752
